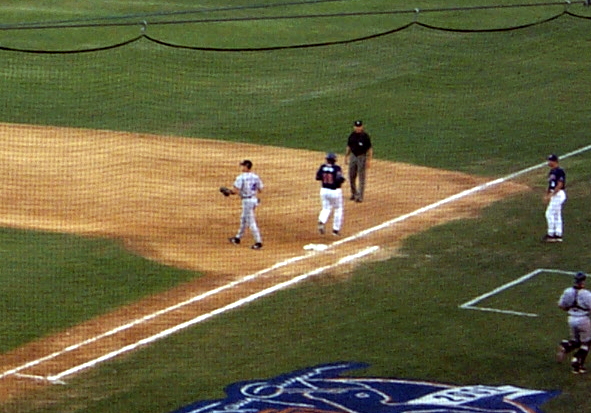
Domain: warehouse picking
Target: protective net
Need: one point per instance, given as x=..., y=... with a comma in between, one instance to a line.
x=101, y=140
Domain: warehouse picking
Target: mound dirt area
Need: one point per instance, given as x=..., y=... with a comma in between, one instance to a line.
x=159, y=196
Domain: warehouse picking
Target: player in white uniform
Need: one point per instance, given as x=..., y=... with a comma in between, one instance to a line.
x=576, y=301
x=331, y=195
x=555, y=198
x=248, y=185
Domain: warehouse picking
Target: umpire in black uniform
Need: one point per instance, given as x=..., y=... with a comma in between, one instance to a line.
x=358, y=156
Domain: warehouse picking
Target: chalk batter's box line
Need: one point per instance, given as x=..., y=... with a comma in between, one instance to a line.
x=470, y=305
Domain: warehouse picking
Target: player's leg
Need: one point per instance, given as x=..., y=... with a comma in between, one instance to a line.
x=583, y=333
x=338, y=211
x=353, y=168
x=550, y=220
x=560, y=198
x=326, y=209
x=243, y=220
x=251, y=220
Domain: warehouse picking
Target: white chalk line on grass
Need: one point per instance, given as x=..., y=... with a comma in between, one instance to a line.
x=149, y=317
x=281, y=264
x=471, y=305
x=231, y=306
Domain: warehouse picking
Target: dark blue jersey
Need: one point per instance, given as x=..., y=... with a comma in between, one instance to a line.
x=330, y=175
x=554, y=176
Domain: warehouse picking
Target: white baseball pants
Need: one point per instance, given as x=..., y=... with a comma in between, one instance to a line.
x=247, y=219
x=554, y=213
x=332, y=199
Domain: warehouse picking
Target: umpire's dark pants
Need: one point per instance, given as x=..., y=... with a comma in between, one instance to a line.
x=357, y=167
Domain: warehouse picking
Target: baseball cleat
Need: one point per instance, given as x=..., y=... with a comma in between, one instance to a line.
x=335, y=232
x=548, y=238
x=234, y=240
x=321, y=229
x=353, y=198
x=257, y=246
x=557, y=238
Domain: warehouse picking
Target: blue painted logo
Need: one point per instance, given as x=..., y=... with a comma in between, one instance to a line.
x=321, y=390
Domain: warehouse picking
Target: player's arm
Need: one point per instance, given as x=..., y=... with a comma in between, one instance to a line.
x=319, y=174
x=563, y=301
x=347, y=154
x=340, y=177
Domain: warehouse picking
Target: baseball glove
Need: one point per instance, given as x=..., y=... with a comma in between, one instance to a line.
x=226, y=191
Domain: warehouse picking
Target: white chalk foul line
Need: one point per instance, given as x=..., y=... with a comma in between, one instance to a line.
x=284, y=263
x=150, y=316
x=215, y=312
x=455, y=197
x=471, y=305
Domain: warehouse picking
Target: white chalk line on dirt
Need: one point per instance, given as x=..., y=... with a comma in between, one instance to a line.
x=232, y=284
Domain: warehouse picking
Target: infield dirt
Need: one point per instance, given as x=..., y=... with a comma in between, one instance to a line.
x=159, y=196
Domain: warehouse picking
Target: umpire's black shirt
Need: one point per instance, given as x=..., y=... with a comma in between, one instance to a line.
x=359, y=142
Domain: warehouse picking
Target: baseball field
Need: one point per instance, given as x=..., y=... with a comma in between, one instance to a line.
x=120, y=291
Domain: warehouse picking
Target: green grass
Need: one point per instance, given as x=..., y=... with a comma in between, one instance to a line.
x=49, y=282
x=441, y=99
x=486, y=104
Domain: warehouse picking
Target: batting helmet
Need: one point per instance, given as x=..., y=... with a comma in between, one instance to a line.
x=580, y=277
x=331, y=155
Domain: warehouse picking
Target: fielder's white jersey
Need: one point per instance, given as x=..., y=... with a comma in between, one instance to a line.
x=576, y=301
x=249, y=184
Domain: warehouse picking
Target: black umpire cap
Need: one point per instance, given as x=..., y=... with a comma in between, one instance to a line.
x=553, y=158
x=358, y=123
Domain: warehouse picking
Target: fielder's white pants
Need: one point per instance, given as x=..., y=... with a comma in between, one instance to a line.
x=554, y=213
x=332, y=199
x=247, y=219
x=580, y=329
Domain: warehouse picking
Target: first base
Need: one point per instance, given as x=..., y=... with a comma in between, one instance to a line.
x=315, y=247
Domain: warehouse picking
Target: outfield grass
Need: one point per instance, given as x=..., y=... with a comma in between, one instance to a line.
x=486, y=104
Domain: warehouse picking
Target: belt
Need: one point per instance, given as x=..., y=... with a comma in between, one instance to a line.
x=247, y=197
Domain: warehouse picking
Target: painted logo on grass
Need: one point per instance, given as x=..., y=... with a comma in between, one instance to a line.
x=321, y=390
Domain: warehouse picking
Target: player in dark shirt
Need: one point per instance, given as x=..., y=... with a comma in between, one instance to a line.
x=331, y=177
x=555, y=198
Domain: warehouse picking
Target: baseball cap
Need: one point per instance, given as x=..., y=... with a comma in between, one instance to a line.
x=246, y=163
x=358, y=123
x=331, y=155
x=553, y=158
x=580, y=277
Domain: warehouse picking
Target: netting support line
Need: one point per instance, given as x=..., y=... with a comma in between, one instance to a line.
x=144, y=27
x=417, y=13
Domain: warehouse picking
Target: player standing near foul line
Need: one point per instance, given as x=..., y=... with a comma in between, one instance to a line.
x=555, y=198
x=331, y=195
x=248, y=185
